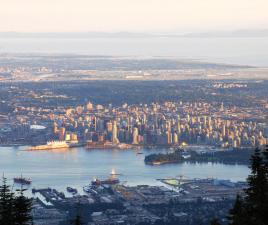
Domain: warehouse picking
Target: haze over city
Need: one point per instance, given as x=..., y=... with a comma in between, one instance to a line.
x=132, y=16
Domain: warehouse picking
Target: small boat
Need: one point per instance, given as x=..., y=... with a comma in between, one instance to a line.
x=87, y=189
x=114, y=173
x=72, y=190
x=22, y=180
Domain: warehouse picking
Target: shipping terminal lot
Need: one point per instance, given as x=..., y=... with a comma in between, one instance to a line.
x=121, y=204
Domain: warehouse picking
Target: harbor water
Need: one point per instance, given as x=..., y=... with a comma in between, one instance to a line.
x=76, y=167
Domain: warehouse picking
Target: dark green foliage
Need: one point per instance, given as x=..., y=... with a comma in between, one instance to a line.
x=175, y=157
x=215, y=222
x=253, y=208
x=77, y=221
x=237, y=213
x=23, y=207
x=78, y=217
x=6, y=203
x=14, y=210
x=226, y=157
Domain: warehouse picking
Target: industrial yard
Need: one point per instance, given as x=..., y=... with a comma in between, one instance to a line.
x=115, y=204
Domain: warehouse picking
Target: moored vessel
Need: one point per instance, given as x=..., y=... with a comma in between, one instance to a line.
x=110, y=181
x=51, y=145
x=22, y=180
x=72, y=190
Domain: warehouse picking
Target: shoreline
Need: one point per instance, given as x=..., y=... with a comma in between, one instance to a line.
x=234, y=157
x=132, y=146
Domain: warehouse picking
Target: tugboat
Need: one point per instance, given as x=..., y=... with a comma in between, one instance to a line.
x=22, y=180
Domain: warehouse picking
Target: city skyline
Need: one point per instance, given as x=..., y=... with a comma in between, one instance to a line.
x=146, y=112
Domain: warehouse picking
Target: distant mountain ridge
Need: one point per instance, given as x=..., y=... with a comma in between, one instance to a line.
x=235, y=33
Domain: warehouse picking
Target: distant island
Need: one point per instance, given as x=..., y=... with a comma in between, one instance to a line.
x=236, y=156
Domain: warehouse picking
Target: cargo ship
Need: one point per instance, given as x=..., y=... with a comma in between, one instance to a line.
x=22, y=180
x=50, y=145
x=110, y=181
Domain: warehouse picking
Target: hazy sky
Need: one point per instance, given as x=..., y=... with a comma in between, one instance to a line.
x=132, y=15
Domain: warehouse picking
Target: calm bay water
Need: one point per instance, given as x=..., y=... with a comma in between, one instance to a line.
x=236, y=50
x=76, y=167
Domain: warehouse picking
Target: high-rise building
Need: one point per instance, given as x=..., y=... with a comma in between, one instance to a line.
x=266, y=131
x=114, y=134
x=67, y=136
x=109, y=126
x=90, y=106
x=175, y=138
x=74, y=137
x=135, y=136
x=62, y=134
x=223, y=131
x=169, y=137
x=69, y=111
x=222, y=107
x=79, y=109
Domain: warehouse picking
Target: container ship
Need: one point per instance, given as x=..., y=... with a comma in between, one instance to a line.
x=50, y=145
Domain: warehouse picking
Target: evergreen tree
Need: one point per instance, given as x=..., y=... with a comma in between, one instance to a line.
x=253, y=209
x=14, y=210
x=256, y=201
x=22, y=209
x=77, y=221
x=6, y=203
x=78, y=218
x=237, y=213
x=215, y=222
